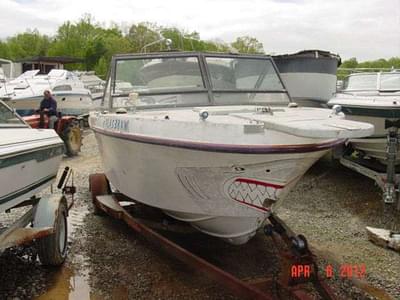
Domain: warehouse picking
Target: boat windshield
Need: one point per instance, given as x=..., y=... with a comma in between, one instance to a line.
x=373, y=82
x=194, y=80
x=390, y=82
x=8, y=118
x=361, y=82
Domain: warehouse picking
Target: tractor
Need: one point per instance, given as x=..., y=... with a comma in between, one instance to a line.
x=67, y=127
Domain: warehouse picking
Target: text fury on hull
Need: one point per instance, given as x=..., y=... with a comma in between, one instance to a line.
x=211, y=139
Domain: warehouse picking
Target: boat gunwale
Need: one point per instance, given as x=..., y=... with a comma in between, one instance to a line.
x=223, y=148
x=7, y=155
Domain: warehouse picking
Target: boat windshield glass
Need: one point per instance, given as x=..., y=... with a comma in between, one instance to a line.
x=8, y=118
x=390, y=82
x=185, y=80
x=361, y=82
x=238, y=80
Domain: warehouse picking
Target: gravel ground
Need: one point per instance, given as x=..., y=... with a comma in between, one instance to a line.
x=331, y=206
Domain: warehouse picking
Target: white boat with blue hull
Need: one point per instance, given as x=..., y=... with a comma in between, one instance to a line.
x=373, y=98
x=211, y=139
x=29, y=159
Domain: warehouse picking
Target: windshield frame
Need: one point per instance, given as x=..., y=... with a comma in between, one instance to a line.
x=204, y=72
x=378, y=85
x=23, y=124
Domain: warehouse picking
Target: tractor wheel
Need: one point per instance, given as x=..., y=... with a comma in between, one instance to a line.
x=72, y=137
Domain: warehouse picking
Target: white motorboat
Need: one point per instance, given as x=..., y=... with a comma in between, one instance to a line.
x=210, y=139
x=25, y=92
x=29, y=158
x=93, y=83
x=309, y=76
x=373, y=98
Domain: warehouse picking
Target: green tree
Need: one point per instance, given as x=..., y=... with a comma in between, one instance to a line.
x=350, y=63
x=4, y=50
x=248, y=44
x=142, y=34
x=28, y=44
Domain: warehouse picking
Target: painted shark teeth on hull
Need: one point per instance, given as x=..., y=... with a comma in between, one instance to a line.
x=252, y=192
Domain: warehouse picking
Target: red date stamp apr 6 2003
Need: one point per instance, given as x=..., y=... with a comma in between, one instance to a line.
x=343, y=271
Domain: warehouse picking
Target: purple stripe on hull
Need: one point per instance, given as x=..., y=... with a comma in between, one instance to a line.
x=225, y=148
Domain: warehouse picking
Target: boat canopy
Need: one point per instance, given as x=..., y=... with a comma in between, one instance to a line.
x=383, y=81
x=193, y=79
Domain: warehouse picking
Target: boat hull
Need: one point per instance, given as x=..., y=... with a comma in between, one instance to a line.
x=376, y=145
x=227, y=195
x=27, y=167
x=67, y=103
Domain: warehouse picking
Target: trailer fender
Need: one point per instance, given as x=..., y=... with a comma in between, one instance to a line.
x=47, y=209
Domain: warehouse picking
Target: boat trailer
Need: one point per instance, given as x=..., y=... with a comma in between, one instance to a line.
x=48, y=223
x=299, y=267
x=388, y=181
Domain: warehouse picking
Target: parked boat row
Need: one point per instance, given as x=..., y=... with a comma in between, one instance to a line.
x=25, y=92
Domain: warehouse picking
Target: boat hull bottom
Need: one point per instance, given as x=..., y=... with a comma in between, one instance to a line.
x=234, y=230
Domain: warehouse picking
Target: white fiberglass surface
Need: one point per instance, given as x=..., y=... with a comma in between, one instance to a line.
x=220, y=127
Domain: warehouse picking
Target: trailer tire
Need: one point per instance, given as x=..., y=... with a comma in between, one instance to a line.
x=52, y=249
x=98, y=185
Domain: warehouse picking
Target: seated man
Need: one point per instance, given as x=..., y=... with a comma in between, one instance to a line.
x=49, y=106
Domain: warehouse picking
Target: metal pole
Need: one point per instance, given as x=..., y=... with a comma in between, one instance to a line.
x=389, y=196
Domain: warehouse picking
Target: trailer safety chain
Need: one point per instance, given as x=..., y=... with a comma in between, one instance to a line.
x=300, y=263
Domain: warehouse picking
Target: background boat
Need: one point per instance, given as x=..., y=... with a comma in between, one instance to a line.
x=29, y=158
x=309, y=76
x=25, y=92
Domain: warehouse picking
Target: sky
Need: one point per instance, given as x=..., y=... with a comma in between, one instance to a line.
x=365, y=29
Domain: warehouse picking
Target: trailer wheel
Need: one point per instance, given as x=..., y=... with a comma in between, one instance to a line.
x=72, y=137
x=98, y=185
x=52, y=249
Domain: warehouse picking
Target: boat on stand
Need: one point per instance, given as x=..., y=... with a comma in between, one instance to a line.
x=374, y=97
x=210, y=139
